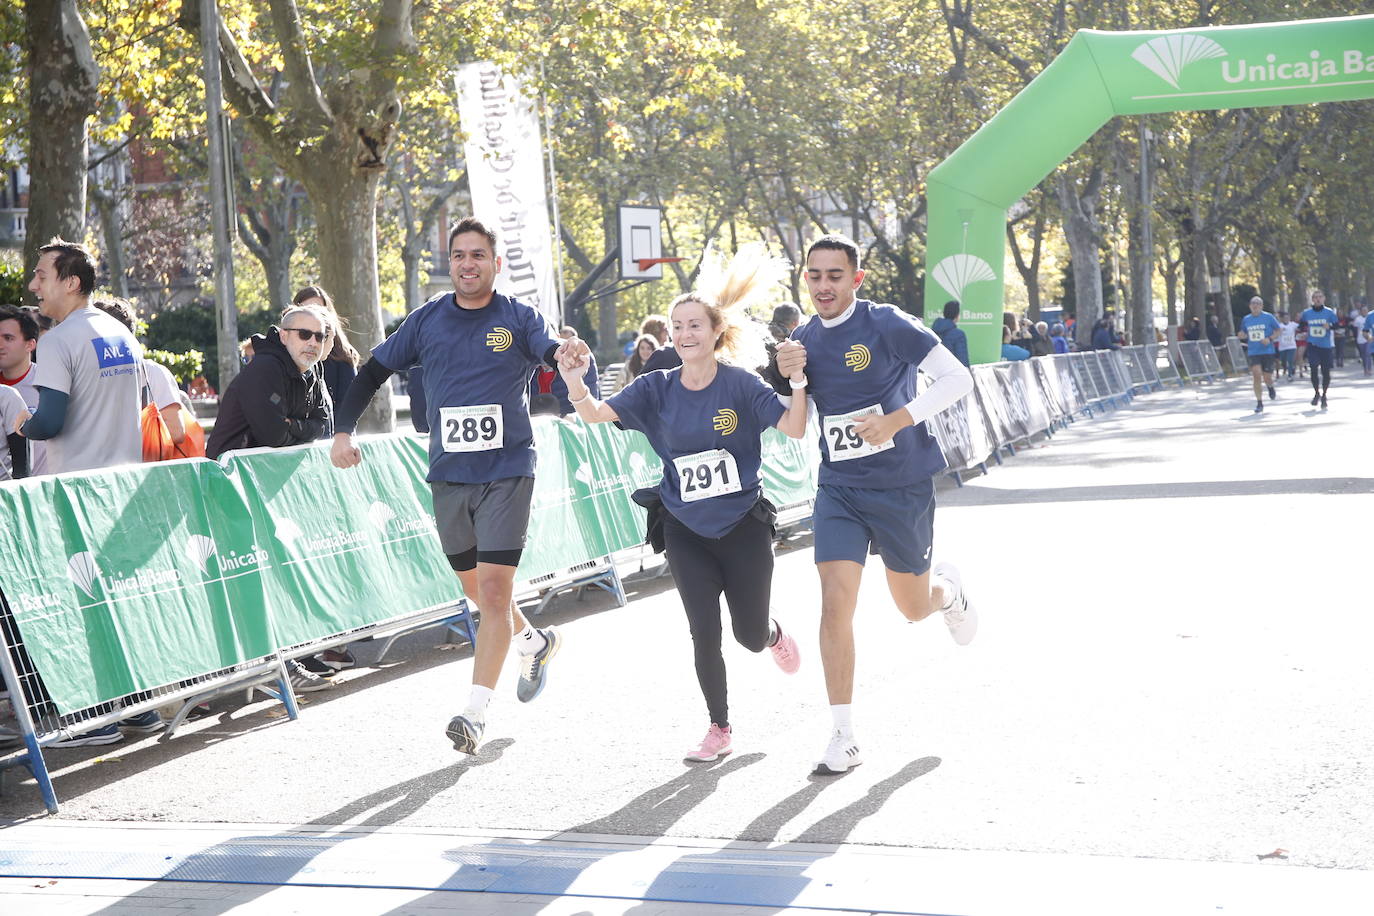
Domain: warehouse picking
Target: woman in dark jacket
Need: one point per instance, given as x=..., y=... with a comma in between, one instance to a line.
x=277, y=400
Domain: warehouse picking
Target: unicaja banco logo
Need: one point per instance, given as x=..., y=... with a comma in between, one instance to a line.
x=378, y=514
x=499, y=339
x=83, y=571
x=1167, y=55
x=725, y=421
x=957, y=271
x=199, y=549
x=857, y=357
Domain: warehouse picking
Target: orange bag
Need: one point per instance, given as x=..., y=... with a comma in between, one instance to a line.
x=193, y=446
x=157, y=441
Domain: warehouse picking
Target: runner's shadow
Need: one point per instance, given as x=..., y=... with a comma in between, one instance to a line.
x=655, y=811
x=269, y=861
x=776, y=885
x=505, y=867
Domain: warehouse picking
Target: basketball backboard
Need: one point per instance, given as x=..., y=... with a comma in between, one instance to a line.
x=641, y=238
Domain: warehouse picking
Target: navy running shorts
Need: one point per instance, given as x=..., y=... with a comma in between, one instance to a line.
x=897, y=524
x=1264, y=360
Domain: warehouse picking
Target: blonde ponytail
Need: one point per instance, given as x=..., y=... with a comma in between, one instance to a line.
x=728, y=291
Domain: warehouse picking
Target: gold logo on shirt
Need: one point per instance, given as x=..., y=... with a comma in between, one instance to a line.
x=857, y=357
x=725, y=421
x=499, y=339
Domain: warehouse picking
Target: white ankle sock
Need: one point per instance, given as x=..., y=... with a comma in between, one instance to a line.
x=477, y=703
x=843, y=716
x=529, y=640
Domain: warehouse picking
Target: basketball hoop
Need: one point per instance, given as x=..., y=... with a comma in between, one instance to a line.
x=646, y=263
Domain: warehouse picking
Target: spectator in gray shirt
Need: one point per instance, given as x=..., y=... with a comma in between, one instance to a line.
x=88, y=380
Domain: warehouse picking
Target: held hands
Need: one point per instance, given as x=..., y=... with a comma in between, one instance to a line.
x=877, y=429
x=343, y=453
x=572, y=353
x=791, y=359
x=19, y=422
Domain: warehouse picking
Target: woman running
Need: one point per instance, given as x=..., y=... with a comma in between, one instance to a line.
x=706, y=420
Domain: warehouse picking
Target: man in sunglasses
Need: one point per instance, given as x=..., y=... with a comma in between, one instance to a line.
x=277, y=400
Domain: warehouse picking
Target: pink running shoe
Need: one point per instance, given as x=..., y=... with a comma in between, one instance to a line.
x=785, y=652
x=715, y=745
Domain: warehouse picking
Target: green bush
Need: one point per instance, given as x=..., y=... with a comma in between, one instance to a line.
x=183, y=366
x=11, y=285
x=192, y=327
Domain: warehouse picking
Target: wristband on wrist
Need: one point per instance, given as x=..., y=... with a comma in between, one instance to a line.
x=796, y=384
x=584, y=397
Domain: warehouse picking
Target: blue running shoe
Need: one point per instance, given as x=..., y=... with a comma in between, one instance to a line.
x=110, y=734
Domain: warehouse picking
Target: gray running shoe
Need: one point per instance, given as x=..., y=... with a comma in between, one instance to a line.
x=303, y=681
x=534, y=669
x=465, y=734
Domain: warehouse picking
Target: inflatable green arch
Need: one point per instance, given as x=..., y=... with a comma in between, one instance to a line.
x=1097, y=76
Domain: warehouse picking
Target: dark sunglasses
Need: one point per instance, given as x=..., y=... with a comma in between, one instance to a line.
x=306, y=335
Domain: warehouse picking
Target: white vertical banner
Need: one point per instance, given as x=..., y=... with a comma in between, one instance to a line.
x=505, y=162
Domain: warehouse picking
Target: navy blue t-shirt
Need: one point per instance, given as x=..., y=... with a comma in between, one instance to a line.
x=729, y=415
x=477, y=364
x=870, y=359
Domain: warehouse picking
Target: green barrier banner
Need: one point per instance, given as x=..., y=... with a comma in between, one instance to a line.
x=1098, y=76
x=344, y=548
x=131, y=578
x=126, y=579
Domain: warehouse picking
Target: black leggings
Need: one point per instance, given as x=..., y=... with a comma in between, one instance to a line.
x=1318, y=357
x=740, y=564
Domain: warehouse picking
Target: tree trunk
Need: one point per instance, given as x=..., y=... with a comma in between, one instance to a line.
x=110, y=205
x=1171, y=293
x=1216, y=269
x=1297, y=289
x=1141, y=309
x=345, y=206
x=63, y=79
x=1268, y=279
x=1081, y=233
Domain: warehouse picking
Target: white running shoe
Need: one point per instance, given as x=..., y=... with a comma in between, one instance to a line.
x=840, y=757
x=960, y=615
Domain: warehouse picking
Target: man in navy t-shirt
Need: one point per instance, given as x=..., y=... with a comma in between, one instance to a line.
x=1321, y=344
x=876, y=493
x=478, y=349
x=1260, y=331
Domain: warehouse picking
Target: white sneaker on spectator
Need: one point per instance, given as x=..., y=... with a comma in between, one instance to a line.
x=960, y=615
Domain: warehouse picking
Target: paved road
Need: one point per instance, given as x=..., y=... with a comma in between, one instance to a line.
x=1173, y=664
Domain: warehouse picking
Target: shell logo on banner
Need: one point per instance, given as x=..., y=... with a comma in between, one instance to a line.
x=725, y=421
x=499, y=339
x=83, y=572
x=857, y=357
x=1167, y=55
x=957, y=271
x=199, y=549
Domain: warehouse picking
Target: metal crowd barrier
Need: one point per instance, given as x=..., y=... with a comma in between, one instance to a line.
x=1141, y=371
x=1236, y=353
x=1200, y=360
x=1163, y=361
